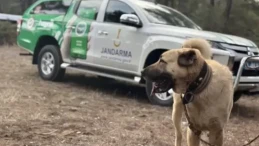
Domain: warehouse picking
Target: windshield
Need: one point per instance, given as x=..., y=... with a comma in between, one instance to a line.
x=160, y=14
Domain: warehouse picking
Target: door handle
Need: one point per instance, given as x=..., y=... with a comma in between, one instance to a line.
x=100, y=32
x=105, y=33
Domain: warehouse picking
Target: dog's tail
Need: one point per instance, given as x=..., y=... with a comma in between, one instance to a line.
x=200, y=44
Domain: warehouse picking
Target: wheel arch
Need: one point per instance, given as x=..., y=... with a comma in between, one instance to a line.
x=42, y=41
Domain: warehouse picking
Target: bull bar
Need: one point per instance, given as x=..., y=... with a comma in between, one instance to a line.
x=244, y=60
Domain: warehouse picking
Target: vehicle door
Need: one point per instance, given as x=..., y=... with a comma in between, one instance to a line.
x=85, y=15
x=42, y=18
x=117, y=45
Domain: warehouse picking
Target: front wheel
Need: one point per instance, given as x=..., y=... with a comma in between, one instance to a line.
x=162, y=99
x=49, y=61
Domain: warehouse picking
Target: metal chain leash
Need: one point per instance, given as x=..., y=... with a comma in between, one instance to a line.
x=195, y=131
x=251, y=141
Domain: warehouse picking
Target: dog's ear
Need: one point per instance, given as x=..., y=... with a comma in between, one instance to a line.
x=187, y=58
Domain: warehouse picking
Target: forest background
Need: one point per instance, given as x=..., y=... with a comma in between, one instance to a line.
x=236, y=17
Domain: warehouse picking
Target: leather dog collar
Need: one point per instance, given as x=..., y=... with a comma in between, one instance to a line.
x=198, y=84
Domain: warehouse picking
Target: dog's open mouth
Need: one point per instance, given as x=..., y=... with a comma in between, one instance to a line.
x=161, y=85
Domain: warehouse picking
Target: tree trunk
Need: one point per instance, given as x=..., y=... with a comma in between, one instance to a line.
x=23, y=5
x=172, y=3
x=163, y=2
x=26, y=3
x=228, y=8
x=227, y=12
x=183, y=6
x=212, y=3
x=1, y=6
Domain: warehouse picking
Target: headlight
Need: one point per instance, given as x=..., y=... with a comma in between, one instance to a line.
x=253, y=51
x=216, y=45
x=231, y=61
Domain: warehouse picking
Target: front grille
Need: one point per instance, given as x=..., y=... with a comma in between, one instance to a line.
x=235, y=47
x=242, y=50
x=245, y=72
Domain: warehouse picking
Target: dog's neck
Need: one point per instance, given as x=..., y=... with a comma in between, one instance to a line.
x=199, y=84
x=192, y=87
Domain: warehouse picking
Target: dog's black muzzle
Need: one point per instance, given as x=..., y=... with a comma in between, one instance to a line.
x=162, y=81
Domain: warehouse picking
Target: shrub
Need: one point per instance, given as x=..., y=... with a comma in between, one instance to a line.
x=7, y=33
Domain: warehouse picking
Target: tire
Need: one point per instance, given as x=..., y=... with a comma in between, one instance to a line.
x=154, y=99
x=237, y=96
x=50, y=70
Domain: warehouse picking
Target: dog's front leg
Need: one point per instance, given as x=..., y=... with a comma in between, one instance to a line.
x=216, y=137
x=177, y=118
x=192, y=138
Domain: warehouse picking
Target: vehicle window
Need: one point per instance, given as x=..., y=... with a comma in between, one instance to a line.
x=115, y=9
x=89, y=9
x=160, y=14
x=50, y=7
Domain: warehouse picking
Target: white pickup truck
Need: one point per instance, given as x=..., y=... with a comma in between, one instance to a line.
x=118, y=38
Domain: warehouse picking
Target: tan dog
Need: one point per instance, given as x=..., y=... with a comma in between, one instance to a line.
x=211, y=105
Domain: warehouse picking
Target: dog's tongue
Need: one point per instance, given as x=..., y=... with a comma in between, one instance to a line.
x=153, y=89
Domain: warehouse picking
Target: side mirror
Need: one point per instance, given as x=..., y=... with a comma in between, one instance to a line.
x=130, y=19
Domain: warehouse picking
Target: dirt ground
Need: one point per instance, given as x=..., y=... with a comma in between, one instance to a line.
x=87, y=111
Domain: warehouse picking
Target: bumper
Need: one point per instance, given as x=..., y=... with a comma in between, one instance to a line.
x=250, y=84
x=250, y=87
